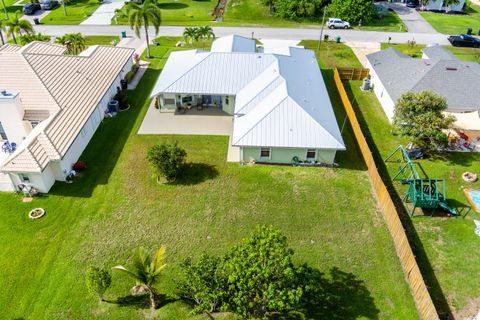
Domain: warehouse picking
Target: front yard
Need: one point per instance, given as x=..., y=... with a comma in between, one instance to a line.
x=415, y=51
x=77, y=11
x=454, y=23
x=329, y=216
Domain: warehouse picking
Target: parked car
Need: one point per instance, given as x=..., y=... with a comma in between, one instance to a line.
x=464, y=40
x=335, y=23
x=31, y=8
x=50, y=4
x=412, y=3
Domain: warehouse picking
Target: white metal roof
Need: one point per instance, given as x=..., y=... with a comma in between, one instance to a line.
x=233, y=43
x=280, y=100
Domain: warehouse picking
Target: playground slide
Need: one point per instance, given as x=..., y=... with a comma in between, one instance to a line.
x=445, y=206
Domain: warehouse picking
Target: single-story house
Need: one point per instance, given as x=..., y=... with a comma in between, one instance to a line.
x=394, y=73
x=51, y=105
x=279, y=103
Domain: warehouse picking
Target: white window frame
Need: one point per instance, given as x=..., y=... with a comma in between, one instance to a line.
x=306, y=154
x=269, y=153
x=24, y=178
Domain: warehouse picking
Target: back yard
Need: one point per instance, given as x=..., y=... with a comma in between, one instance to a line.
x=444, y=246
x=455, y=23
x=329, y=216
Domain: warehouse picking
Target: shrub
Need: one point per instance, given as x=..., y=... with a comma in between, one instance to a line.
x=167, y=159
x=122, y=99
x=97, y=281
x=79, y=166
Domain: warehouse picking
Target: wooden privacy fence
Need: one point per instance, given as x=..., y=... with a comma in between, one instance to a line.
x=404, y=251
x=353, y=73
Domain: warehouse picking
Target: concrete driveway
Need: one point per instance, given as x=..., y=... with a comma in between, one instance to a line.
x=104, y=14
x=412, y=19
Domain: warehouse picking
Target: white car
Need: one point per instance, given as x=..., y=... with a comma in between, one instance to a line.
x=335, y=23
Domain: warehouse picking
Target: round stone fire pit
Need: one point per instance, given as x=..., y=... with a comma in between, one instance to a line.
x=36, y=213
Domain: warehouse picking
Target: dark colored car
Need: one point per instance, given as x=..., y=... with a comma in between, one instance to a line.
x=464, y=40
x=31, y=8
x=412, y=3
x=50, y=4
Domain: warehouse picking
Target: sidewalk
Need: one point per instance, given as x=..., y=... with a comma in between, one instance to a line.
x=104, y=14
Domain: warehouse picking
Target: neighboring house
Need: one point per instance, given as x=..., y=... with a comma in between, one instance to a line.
x=279, y=102
x=394, y=73
x=50, y=106
x=438, y=5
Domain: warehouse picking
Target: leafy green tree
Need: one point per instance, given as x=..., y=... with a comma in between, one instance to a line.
x=27, y=38
x=448, y=3
x=17, y=26
x=261, y=275
x=97, y=281
x=295, y=9
x=270, y=4
x=191, y=35
x=167, y=159
x=419, y=116
x=204, y=283
x=74, y=42
x=143, y=15
x=146, y=272
x=352, y=10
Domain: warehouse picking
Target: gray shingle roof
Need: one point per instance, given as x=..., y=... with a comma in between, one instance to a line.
x=458, y=81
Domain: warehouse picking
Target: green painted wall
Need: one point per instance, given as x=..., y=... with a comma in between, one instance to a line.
x=230, y=106
x=284, y=155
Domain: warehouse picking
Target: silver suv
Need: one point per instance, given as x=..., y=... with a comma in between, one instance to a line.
x=335, y=23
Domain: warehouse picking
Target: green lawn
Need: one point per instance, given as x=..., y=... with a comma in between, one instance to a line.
x=443, y=245
x=389, y=22
x=10, y=10
x=77, y=11
x=101, y=40
x=453, y=23
x=329, y=216
x=469, y=54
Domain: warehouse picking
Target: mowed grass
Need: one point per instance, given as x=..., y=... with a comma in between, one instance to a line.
x=77, y=11
x=454, y=23
x=443, y=245
x=389, y=22
x=415, y=51
x=101, y=40
x=329, y=216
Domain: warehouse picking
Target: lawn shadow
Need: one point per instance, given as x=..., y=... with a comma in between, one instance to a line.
x=142, y=301
x=337, y=295
x=195, y=173
x=431, y=281
x=105, y=147
x=172, y=6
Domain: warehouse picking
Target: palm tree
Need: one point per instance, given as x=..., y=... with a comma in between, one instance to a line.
x=205, y=33
x=191, y=34
x=15, y=25
x=74, y=42
x=143, y=15
x=146, y=272
x=2, y=29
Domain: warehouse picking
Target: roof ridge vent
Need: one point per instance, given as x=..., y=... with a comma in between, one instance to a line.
x=451, y=68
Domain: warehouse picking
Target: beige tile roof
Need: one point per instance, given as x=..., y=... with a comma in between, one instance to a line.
x=10, y=48
x=77, y=84
x=43, y=48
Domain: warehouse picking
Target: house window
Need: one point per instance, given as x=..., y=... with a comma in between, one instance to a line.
x=34, y=123
x=167, y=101
x=24, y=177
x=3, y=135
x=265, y=152
x=311, y=154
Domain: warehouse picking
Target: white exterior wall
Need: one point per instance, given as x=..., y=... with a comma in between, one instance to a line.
x=383, y=96
x=41, y=181
x=11, y=117
x=438, y=5
x=435, y=5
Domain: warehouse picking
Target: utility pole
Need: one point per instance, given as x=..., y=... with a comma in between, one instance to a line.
x=321, y=31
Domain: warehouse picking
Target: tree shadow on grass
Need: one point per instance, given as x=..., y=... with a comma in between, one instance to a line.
x=142, y=301
x=172, y=6
x=337, y=295
x=431, y=281
x=195, y=173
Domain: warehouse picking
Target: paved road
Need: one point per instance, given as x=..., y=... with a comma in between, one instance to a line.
x=267, y=33
x=412, y=19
